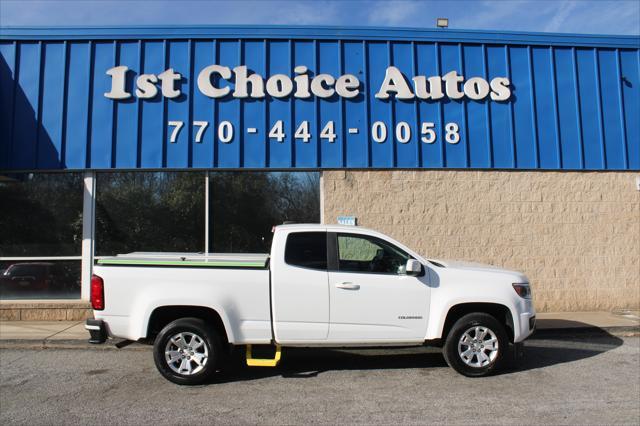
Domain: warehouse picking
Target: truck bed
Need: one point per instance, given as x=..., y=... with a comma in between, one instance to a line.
x=135, y=284
x=212, y=260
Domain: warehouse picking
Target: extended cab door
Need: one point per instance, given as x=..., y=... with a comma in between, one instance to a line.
x=299, y=287
x=371, y=297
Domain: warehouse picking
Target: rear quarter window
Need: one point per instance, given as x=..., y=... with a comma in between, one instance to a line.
x=307, y=250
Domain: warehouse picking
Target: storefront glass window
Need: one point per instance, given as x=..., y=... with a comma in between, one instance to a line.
x=41, y=219
x=41, y=214
x=244, y=206
x=40, y=235
x=149, y=211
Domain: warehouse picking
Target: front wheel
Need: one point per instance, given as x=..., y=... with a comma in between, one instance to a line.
x=477, y=345
x=186, y=351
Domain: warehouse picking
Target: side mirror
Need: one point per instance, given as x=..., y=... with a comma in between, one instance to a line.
x=413, y=268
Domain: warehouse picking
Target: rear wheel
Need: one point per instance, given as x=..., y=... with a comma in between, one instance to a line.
x=187, y=352
x=477, y=345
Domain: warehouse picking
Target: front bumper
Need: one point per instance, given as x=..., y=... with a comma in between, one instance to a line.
x=532, y=323
x=527, y=326
x=97, y=329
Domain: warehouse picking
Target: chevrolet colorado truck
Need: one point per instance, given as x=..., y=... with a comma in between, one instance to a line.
x=321, y=286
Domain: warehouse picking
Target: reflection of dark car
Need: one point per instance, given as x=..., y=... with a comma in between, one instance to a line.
x=27, y=277
x=36, y=277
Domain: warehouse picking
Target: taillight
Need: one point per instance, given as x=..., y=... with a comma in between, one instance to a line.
x=97, y=293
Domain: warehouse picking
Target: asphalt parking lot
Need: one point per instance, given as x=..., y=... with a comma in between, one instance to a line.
x=585, y=379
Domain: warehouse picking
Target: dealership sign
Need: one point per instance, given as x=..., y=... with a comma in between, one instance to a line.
x=213, y=81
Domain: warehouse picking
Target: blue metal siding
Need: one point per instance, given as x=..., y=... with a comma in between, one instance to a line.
x=75, y=140
x=575, y=101
x=356, y=146
x=630, y=66
x=328, y=59
x=428, y=63
x=153, y=113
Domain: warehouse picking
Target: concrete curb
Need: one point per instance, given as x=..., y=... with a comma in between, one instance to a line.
x=624, y=331
x=67, y=344
x=547, y=333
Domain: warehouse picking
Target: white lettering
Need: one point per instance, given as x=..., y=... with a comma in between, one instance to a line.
x=225, y=131
x=206, y=86
x=500, y=89
x=318, y=86
x=146, y=86
x=451, y=80
x=432, y=91
x=279, y=86
x=347, y=86
x=118, y=83
x=476, y=88
x=302, y=82
x=168, y=79
x=242, y=80
x=394, y=81
x=213, y=82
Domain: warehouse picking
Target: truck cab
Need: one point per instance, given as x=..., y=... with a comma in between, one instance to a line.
x=346, y=285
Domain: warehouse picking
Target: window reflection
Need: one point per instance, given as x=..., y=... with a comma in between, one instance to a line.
x=42, y=279
x=364, y=253
x=41, y=214
x=41, y=219
x=149, y=211
x=244, y=206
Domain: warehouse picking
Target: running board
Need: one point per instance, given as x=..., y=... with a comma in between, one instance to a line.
x=261, y=362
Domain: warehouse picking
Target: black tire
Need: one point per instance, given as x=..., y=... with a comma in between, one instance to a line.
x=206, y=338
x=481, y=362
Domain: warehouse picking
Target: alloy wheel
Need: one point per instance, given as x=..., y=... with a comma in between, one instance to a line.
x=186, y=353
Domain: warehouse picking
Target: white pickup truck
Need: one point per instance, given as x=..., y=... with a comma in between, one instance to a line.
x=322, y=285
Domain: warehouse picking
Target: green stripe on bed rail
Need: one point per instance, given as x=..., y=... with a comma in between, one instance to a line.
x=211, y=264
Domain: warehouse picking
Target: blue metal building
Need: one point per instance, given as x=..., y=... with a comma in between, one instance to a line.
x=86, y=105
x=574, y=100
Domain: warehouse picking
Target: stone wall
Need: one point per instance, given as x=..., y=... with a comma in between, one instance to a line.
x=575, y=234
x=44, y=310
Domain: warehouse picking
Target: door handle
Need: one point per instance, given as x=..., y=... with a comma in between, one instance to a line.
x=348, y=286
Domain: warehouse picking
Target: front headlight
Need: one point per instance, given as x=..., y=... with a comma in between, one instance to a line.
x=523, y=290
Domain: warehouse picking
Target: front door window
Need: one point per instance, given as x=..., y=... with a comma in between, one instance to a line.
x=360, y=253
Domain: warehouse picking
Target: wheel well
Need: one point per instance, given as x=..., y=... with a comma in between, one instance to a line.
x=163, y=315
x=499, y=312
